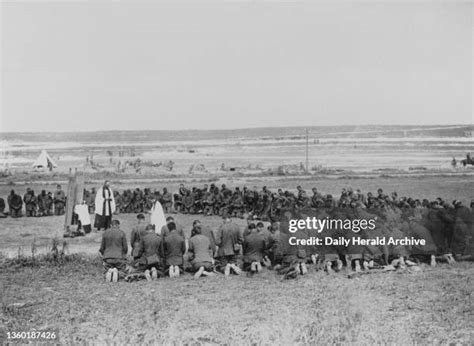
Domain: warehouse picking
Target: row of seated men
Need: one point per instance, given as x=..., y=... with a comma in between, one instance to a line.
x=267, y=205
x=263, y=204
x=212, y=200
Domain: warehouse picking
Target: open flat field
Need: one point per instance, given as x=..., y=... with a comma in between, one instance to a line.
x=435, y=305
x=432, y=306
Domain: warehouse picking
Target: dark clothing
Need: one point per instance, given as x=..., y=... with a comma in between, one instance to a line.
x=2, y=208
x=206, y=265
x=59, y=202
x=102, y=221
x=42, y=207
x=15, y=204
x=49, y=204
x=173, y=249
x=228, y=239
x=150, y=245
x=2, y=205
x=110, y=263
x=254, y=247
x=135, y=238
x=30, y=204
x=87, y=228
x=165, y=231
x=206, y=231
x=266, y=234
x=114, y=244
x=200, y=247
x=285, y=253
x=167, y=202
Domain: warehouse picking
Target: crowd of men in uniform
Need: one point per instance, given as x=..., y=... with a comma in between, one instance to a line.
x=213, y=200
x=31, y=204
x=232, y=250
x=229, y=249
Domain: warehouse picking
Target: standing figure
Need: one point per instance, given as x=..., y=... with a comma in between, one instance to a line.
x=42, y=203
x=2, y=209
x=157, y=217
x=454, y=162
x=104, y=206
x=167, y=200
x=59, y=201
x=49, y=204
x=30, y=202
x=15, y=204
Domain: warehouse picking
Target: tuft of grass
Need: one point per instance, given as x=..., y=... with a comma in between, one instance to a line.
x=58, y=256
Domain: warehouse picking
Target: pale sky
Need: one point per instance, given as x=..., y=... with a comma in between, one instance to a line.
x=164, y=66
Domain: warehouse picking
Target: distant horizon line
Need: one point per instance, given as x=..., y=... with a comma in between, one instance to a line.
x=239, y=129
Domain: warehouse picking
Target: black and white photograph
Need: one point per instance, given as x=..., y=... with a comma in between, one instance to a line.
x=244, y=172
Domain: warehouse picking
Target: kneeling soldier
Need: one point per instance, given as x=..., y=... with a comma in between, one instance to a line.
x=114, y=250
x=200, y=249
x=150, y=253
x=174, y=248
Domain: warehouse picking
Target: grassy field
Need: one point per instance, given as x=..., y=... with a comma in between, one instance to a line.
x=23, y=232
x=435, y=305
x=432, y=306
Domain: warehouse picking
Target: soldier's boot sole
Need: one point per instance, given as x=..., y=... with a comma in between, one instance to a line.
x=339, y=265
x=199, y=273
x=433, y=261
x=365, y=265
x=402, y=262
x=147, y=275
x=303, y=269
x=253, y=267
x=115, y=275
x=206, y=273
x=108, y=276
x=236, y=269
x=357, y=266
x=154, y=274
x=227, y=270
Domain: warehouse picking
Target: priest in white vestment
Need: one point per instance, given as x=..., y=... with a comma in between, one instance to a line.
x=104, y=206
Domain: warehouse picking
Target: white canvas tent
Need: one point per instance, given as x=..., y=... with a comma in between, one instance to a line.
x=44, y=161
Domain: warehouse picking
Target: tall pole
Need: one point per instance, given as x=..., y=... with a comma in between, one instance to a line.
x=307, y=145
